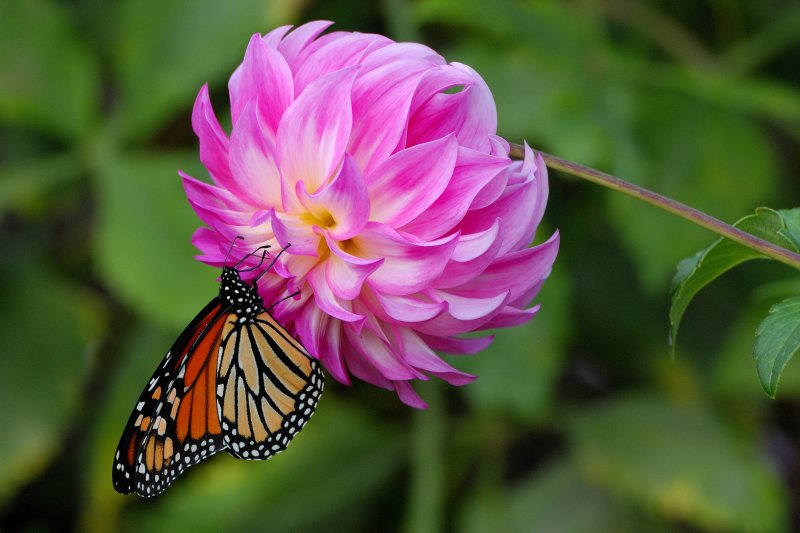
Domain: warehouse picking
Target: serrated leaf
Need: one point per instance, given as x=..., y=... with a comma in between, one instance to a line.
x=143, y=241
x=162, y=61
x=777, y=340
x=678, y=459
x=52, y=88
x=697, y=271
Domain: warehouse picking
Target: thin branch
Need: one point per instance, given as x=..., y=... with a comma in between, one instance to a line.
x=667, y=204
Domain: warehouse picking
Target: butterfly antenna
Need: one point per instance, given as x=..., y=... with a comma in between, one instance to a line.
x=233, y=243
x=260, y=262
x=251, y=254
x=272, y=262
x=295, y=293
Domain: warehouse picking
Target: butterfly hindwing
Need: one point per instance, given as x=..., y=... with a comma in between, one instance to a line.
x=268, y=387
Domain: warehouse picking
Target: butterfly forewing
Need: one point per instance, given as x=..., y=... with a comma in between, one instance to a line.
x=268, y=387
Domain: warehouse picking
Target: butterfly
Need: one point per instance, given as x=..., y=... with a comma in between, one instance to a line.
x=234, y=380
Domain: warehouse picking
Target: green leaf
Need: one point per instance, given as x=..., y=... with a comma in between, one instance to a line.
x=46, y=329
x=162, y=61
x=43, y=85
x=777, y=340
x=23, y=183
x=697, y=271
x=680, y=460
x=143, y=244
x=518, y=372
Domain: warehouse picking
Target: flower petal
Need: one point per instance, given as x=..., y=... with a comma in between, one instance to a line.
x=345, y=273
x=213, y=199
x=313, y=132
x=327, y=301
x=344, y=200
x=511, y=316
x=408, y=395
x=265, y=76
x=333, y=52
x=514, y=272
x=255, y=172
x=406, y=309
x=457, y=345
x=380, y=355
x=409, y=267
x=419, y=355
x=472, y=255
x=472, y=314
x=473, y=171
x=213, y=141
x=381, y=102
x=292, y=230
x=299, y=38
x=410, y=181
x=273, y=38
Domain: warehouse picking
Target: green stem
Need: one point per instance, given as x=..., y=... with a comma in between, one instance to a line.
x=667, y=204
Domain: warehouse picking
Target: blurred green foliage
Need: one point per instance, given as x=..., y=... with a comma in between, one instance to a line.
x=579, y=421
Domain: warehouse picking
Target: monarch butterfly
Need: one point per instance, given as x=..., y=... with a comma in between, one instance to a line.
x=234, y=380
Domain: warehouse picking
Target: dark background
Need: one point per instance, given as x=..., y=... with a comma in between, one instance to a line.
x=578, y=422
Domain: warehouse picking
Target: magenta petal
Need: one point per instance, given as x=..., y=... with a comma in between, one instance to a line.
x=292, y=230
x=472, y=255
x=214, y=200
x=311, y=326
x=344, y=200
x=408, y=309
x=473, y=171
x=346, y=273
x=401, y=52
x=381, y=102
x=472, y=308
x=510, y=317
x=265, y=76
x=273, y=38
x=409, y=267
x=213, y=141
x=380, y=355
x=331, y=352
x=482, y=309
x=313, y=132
x=514, y=272
x=327, y=301
x=255, y=172
x=410, y=181
x=419, y=355
x=333, y=52
x=408, y=395
x=297, y=40
x=456, y=345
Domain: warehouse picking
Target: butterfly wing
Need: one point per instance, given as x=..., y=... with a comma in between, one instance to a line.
x=268, y=387
x=174, y=424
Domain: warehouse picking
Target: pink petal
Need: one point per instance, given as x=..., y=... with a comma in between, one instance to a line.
x=327, y=301
x=510, y=317
x=467, y=308
x=255, y=172
x=472, y=255
x=456, y=345
x=483, y=309
x=333, y=52
x=514, y=272
x=409, y=267
x=406, y=309
x=273, y=38
x=410, y=181
x=470, y=113
x=401, y=52
x=297, y=40
x=346, y=273
x=408, y=395
x=311, y=326
x=214, y=200
x=293, y=230
x=381, y=101
x=213, y=141
x=313, y=133
x=344, y=200
x=265, y=76
x=419, y=355
x=331, y=352
x=473, y=171
x=380, y=355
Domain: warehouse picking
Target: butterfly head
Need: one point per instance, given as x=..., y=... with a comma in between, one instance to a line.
x=239, y=295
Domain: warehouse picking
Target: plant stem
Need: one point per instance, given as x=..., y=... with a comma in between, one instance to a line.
x=667, y=204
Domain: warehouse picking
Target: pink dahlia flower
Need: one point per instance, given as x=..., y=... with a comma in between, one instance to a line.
x=378, y=161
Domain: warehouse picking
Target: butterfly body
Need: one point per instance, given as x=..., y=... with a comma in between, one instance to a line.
x=234, y=380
